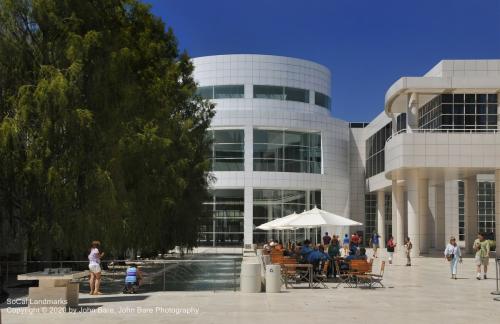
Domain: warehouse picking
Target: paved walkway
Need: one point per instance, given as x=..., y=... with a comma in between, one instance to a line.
x=423, y=293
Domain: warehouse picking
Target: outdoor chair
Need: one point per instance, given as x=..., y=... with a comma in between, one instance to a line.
x=320, y=276
x=372, y=279
x=344, y=276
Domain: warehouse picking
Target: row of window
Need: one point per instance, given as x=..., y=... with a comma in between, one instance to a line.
x=459, y=112
x=273, y=150
x=235, y=91
x=375, y=145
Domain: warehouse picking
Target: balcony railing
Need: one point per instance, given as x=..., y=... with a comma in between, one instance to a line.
x=440, y=130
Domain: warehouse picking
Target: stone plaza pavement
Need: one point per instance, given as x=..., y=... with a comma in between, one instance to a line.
x=423, y=293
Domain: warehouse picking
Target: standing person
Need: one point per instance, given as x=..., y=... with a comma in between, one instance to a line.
x=482, y=248
x=390, y=248
x=408, y=247
x=326, y=239
x=95, y=257
x=354, y=240
x=334, y=254
x=345, y=244
x=453, y=255
x=375, y=243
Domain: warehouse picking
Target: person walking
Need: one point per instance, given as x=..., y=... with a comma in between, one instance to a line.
x=408, y=247
x=375, y=243
x=453, y=255
x=482, y=248
x=390, y=248
x=345, y=245
x=95, y=257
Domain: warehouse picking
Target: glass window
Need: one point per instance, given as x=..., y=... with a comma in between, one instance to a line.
x=223, y=224
x=205, y=92
x=228, y=149
x=492, y=98
x=322, y=100
x=458, y=98
x=287, y=151
x=268, y=92
x=296, y=94
x=375, y=150
x=228, y=91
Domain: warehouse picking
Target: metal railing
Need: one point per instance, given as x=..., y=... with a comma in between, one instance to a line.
x=207, y=273
x=440, y=130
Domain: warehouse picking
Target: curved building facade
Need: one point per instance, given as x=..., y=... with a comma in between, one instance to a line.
x=276, y=148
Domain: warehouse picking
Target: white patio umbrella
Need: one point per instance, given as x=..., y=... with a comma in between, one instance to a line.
x=317, y=217
x=279, y=223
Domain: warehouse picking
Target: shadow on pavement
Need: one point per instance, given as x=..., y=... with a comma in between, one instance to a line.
x=104, y=299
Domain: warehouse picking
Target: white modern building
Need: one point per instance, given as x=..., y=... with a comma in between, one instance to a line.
x=425, y=167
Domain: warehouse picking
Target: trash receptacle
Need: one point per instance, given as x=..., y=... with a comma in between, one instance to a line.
x=250, y=278
x=273, y=278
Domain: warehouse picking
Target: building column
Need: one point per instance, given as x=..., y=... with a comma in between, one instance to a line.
x=439, y=216
x=470, y=208
x=398, y=213
x=451, y=209
x=497, y=207
x=381, y=217
x=248, y=202
x=418, y=207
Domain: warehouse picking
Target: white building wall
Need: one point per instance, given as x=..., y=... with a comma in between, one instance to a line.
x=249, y=113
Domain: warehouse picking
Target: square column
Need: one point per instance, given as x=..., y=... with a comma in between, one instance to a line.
x=470, y=207
x=381, y=217
x=418, y=208
x=497, y=206
x=398, y=224
x=439, y=217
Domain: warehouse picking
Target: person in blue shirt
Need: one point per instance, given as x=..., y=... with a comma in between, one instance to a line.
x=133, y=279
x=345, y=244
x=305, y=250
x=317, y=257
x=375, y=243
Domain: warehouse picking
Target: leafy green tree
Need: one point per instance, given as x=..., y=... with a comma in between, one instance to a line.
x=101, y=134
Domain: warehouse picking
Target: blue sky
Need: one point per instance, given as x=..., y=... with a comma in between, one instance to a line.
x=367, y=44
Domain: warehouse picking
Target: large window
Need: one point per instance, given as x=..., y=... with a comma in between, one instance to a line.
x=375, y=158
x=459, y=112
x=221, y=91
x=269, y=204
x=225, y=225
x=322, y=100
x=370, y=215
x=280, y=93
x=286, y=151
x=486, y=206
x=228, y=149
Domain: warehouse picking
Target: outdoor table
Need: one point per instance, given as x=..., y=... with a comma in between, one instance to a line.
x=307, y=274
x=55, y=290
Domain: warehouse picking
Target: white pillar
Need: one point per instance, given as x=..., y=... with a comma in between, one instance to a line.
x=248, y=203
x=381, y=217
x=440, y=236
x=470, y=216
x=398, y=213
x=418, y=206
x=497, y=206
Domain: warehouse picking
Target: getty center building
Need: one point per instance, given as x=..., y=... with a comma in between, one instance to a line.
x=425, y=167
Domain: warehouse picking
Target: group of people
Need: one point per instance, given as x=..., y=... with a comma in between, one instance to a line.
x=133, y=275
x=481, y=248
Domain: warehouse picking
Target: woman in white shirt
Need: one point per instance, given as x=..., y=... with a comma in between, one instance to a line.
x=453, y=255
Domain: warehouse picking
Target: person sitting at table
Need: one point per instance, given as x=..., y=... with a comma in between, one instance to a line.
x=318, y=256
x=353, y=253
x=305, y=250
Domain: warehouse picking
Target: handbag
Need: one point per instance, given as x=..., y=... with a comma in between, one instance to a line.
x=450, y=257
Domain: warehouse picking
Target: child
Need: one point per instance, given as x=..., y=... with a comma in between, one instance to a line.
x=408, y=247
x=133, y=279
